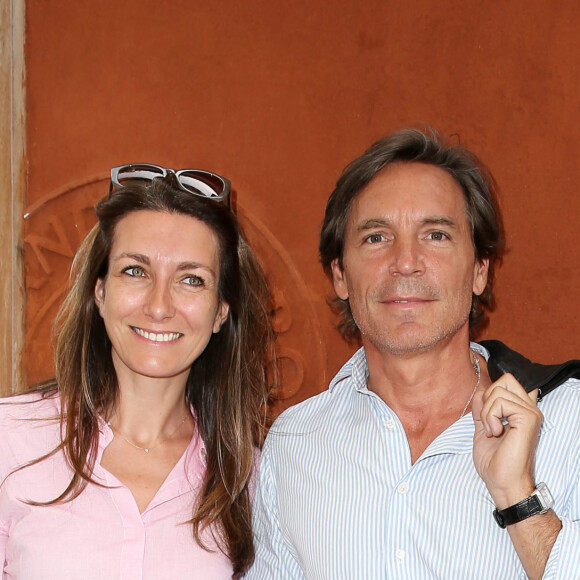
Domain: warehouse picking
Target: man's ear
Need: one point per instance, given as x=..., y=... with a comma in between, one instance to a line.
x=480, y=271
x=338, y=280
x=221, y=316
x=100, y=295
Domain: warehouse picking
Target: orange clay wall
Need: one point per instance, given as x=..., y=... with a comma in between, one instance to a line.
x=279, y=96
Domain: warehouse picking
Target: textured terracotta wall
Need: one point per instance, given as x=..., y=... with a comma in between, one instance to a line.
x=279, y=97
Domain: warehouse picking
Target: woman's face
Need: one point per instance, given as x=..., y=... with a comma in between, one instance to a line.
x=159, y=300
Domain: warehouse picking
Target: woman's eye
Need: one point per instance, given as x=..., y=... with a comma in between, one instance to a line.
x=437, y=236
x=134, y=271
x=193, y=281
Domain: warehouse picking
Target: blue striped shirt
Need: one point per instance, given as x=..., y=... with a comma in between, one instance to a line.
x=338, y=497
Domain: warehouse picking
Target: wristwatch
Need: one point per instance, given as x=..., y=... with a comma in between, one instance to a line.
x=539, y=502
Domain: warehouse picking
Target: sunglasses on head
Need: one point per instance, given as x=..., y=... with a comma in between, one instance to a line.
x=195, y=181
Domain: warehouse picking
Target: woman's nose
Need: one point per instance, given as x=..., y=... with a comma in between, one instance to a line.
x=159, y=303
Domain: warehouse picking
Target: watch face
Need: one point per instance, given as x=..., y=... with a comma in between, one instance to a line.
x=544, y=495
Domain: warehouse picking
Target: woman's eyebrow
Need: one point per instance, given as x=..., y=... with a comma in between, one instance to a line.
x=137, y=257
x=195, y=266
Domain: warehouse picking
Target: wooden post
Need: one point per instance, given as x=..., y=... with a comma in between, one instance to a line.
x=12, y=194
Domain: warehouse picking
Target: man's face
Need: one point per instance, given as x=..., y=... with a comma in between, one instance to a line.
x=409, y=263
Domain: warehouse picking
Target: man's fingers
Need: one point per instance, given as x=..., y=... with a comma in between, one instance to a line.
x=505, y=403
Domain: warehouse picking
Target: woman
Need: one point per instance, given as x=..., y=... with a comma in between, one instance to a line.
x=136, y=461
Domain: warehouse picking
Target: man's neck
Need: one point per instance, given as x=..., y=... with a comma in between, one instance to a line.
x=427, y=389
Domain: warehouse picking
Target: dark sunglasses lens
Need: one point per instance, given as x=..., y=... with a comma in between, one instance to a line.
x=144, y=172
x=202, y=183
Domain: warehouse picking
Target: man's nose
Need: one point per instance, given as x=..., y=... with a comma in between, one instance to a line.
x=407, y=258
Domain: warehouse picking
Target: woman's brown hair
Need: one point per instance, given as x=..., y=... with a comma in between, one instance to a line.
x=227, y=385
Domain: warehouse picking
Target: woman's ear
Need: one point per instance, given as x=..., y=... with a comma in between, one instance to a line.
x=221, y=316
x=100, y=295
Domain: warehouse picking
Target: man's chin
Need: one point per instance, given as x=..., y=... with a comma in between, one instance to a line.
x=404, y=344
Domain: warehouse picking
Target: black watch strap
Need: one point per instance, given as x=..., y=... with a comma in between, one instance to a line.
x=539, y=502
x=518, y=512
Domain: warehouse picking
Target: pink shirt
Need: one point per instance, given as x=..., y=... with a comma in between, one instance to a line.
x=100, y=535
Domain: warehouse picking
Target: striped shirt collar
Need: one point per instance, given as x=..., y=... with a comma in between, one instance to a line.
x=357, y=370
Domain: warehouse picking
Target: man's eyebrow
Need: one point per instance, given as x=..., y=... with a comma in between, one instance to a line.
x=372, y=223
x=440, y=220
x=381, y=222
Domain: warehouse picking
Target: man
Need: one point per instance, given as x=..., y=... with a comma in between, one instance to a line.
x=402, y=467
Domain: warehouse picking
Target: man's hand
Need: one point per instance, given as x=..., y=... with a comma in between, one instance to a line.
x=507, y=425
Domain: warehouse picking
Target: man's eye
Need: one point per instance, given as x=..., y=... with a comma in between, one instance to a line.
x=437, y=236
x=374, y=238
x=134, y=271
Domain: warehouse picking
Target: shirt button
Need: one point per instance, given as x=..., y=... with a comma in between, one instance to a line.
x=390, y=424
x=400, y=554
x=403, y=488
